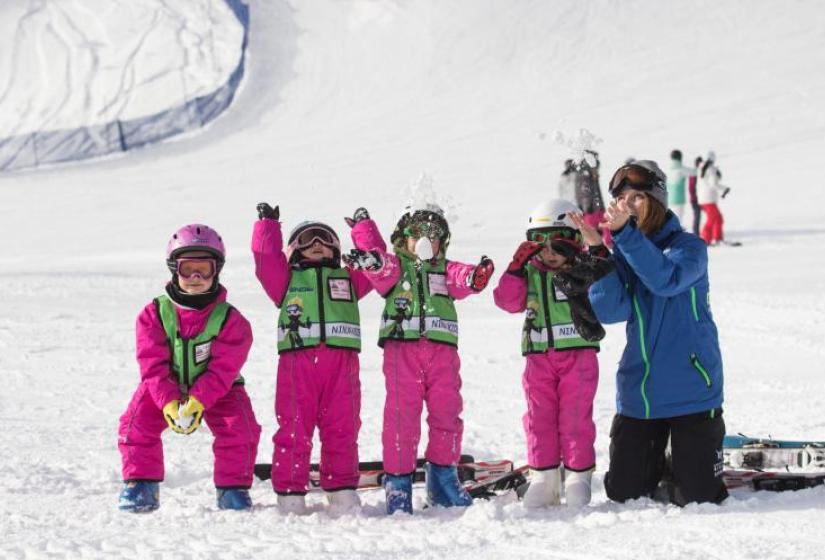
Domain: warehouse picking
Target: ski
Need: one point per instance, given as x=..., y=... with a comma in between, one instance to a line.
x=741, y=440
x=515, y=479
x=372, y=472
x=772, y=481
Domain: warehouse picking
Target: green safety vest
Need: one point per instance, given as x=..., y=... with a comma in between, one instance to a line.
x=405, y=318
x=190, y=356
x=306, y=319
x=548, y=306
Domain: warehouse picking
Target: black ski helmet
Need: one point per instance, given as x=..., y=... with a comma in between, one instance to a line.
x=676, y=154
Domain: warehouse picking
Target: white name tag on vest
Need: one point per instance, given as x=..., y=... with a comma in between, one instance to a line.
x=203, y=352
x=339, y=289
x=438, y=284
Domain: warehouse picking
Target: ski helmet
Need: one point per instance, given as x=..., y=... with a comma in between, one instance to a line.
x=711, y=156
x=643, y=175
x=552, y=214
x=195, y=237
x=305, y=234
x=676, y=154
x=423, y=222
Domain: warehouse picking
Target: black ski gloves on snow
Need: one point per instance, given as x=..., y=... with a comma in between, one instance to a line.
x=575, y=283
x=267, y=212
x=359, y=215
x=362, y=260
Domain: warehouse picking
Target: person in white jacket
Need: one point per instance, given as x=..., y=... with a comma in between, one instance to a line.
x=709, y=193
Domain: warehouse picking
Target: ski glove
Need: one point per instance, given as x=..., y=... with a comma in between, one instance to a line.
x=567, y=249
x=584, y=319
x=362, y=260
x=526, y=251
x=170, y=414
x=481, y=274
x=191, y=414
x=359, y=215
x=267, y=212
x=586, y=269
x=725, y=192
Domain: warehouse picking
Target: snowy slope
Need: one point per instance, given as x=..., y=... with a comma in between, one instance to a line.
x=346, y=103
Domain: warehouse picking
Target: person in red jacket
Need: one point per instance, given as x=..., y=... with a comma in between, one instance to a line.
x=191, y=345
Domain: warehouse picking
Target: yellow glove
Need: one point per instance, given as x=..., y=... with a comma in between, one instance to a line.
x=190, y=415
x=171, y=415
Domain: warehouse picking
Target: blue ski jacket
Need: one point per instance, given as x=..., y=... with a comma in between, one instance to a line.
x=672, y=364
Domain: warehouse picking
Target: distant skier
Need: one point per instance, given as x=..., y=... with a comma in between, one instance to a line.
x=191, y=345
x=709, y=193
x=423, y=364
x=669, y=380
x=694, y=200
x=677, y=175
x=548, y=280
x=318, y=370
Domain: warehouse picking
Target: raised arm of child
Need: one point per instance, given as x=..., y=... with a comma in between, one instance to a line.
x=271, y=266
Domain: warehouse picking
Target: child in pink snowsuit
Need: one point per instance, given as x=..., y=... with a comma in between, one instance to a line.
x=419, y=335
x=562, y=372
x=319, y=337
x=191, y=345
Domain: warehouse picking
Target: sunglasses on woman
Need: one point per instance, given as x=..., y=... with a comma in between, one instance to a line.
x=202, y=267
x=634, y=177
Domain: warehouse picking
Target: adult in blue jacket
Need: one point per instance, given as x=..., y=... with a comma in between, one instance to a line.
x=669, y=383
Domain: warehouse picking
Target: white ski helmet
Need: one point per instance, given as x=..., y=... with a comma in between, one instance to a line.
x=552, y=214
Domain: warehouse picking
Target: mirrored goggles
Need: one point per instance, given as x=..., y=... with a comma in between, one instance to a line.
x=430, y=230
x=311, y=235
x=548, y=235
x=189, y=267
x=632, y=176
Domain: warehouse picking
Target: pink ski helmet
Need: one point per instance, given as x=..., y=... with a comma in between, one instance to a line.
x=195, y=237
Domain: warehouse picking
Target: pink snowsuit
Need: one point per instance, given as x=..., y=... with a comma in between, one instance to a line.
x=559, y=387
x=228, y=411
x=417, y=371
x=316, y=386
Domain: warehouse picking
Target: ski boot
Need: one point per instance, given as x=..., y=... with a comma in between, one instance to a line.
x=234, y=498
x=444, y=488
x=398, y=488
x=544, y=489
x=577, y=487
x=343, y=501
x=292, y=503
x=140, y=496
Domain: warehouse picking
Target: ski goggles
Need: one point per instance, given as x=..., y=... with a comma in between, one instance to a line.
x=187, y=268
x=547, y=236
x=634, y=177
x=309, y=236
x=430, y=230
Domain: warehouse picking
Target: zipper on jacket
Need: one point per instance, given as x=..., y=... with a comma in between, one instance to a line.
x=693, y=303
x=422, y=315
x=694, y=359
x=546, y=301
x=644, y=355
x=185, y=360
x=319, y=276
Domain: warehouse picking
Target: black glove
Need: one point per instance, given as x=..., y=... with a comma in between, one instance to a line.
x=359, y=215
x=725, y=192
x=584, y=319
x=362, y=260
x=564, y=248
x=267, y=212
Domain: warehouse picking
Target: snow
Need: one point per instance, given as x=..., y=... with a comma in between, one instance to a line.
x=346, y=104
x=64, y=65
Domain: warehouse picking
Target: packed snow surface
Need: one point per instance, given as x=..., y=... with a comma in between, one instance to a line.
x=347, y=104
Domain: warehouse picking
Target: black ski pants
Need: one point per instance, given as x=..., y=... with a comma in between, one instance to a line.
x=637, y=458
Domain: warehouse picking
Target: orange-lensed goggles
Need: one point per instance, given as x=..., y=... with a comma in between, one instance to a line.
x=190, y=267
x=632, y=176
